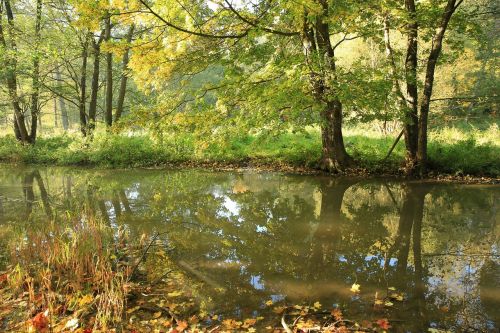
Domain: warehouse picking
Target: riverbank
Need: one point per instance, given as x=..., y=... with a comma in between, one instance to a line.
x=454, y=154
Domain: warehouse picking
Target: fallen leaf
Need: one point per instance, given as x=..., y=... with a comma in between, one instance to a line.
x=40, y=322
x=182, y=325
x=383, y=323
x=355, y=288
x=317, y=305
x=157, y=314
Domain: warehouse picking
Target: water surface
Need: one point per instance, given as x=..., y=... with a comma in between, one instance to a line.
x=252, y=237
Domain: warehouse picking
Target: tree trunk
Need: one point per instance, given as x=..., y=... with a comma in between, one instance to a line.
x=320, y=58
x=437, y=45
x=83, y=86
x=334, y=155
x=35, y=107
x=95, y=84
x=411, y=63
x=123, y=82
x=108, y=115
x=20, y=129
x=62, y=105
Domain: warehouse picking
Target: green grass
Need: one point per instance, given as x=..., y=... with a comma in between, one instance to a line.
x=462, y=149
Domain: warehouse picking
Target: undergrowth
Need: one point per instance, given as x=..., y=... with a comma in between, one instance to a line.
x=452, y=150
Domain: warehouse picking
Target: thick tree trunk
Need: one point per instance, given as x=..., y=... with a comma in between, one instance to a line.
x=437, y=45
x=20, y=129
x=83, y=86
x=334, y=155
x=123, y=82
x=320, y=58
x=411, y=63
x=108, y=115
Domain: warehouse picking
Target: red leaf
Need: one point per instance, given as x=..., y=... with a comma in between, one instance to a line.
x=3, y=277
x=384, y=324
x=40, y=321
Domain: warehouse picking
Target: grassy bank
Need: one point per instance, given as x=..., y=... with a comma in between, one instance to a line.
x=457, y=150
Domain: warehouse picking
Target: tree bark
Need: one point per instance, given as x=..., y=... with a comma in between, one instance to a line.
x=108, y=115
x=437, y=45
x=123, y=82
x=411, y=63
x=334, y=155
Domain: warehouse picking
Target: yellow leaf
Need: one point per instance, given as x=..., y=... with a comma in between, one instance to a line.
x=157, y=314
x=355, y=288
x=269, y=303
x=87, y=299
x=317, y=305
x=174, y=294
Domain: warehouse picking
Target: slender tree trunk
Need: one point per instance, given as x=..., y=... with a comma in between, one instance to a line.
x=437, y=45
x=108, y=115
x=55, y=113
x=62, y=105
x=35, y=108
x=20, y=129
x=411, y=63
x=83, y=86
x=123, y=81
x=96, y=46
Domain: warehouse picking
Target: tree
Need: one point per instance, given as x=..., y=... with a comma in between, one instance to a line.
x=299, y=47
x=416, y=112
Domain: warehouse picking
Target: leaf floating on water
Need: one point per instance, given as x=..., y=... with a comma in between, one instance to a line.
x=337, y=314
x=157, y=315
x=174, y=294
x=317, y=305
x=383, y=324
x=269, y=303
x=355, y=288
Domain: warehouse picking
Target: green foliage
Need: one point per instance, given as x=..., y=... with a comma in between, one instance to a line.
x=463, y=149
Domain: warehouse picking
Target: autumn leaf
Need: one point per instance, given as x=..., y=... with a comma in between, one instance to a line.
x=182, y=325
x=157, y=315
x=249, y=322
x=269, y=303
x=40, y=322
x=355, y=288
x=383, y=323
x=87, y=299
x=337, y=314
x=317, y=305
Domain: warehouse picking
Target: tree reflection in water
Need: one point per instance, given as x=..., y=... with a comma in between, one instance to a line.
x=247, y=237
